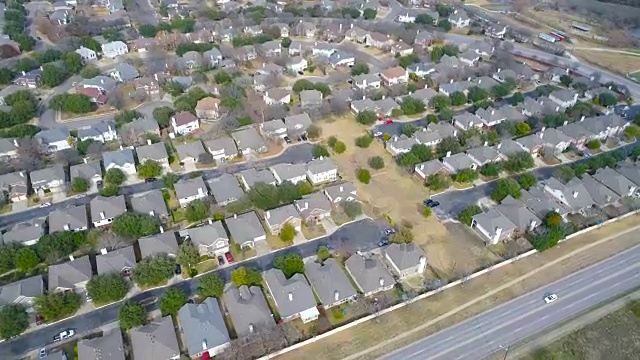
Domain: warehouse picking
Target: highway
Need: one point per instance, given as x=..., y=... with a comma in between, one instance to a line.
x=528, y=315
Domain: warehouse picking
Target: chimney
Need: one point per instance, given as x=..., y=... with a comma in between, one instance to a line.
x=200, y=192
x=102, y=81
x=351, y=27
x=341, y=188
x=381, y=281
x=103, y=251
x=290, y=296
x=575, y=193
x=455, y=133
x=541, y=134
x=210, y=222
x=306, y=205
x=21, y=174
x=532, y=225
x=340, y=27
x=66, y=227
x=235, y=216
x=448, y=153
x=24, y=73
x=15, y=143
x=86, y=160
x=493, y=112
x=267, y=215
x=582, y=118
x=498, y=234
x=121, y=148
x=499, y=146
x=486, y=143
x=423, y=264
x=565, y=122
x=451, y=81
x=336, y=295
x=152, y=213
x=149, y=142
x=155, y=76
x=161, y=230
x=71, y=258
x=251, y=328
x=102, y=215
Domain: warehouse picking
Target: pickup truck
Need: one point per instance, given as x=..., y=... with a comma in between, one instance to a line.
x=69, y=333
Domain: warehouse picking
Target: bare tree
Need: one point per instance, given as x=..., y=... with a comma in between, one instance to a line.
x=275, y=112
x=620, y=38
x=338, y=106
x=111, y=241
x=521, y=6
x=31, y=155
x=95, y=149
x=68, y=157
x=131, y=137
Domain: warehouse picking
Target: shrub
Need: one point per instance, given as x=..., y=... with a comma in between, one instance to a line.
x=364, y=176
x=465, y=216
x=376, y=162
x=364, y=141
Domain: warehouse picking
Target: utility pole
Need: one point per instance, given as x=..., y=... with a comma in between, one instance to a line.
x=506, y=351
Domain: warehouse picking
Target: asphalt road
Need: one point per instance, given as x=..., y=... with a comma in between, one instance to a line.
x=362, y=235
x=300, y=153
x=528, y=315
x=452, y=202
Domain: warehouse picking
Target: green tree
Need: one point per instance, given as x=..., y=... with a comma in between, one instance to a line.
x=566, y=80
x=302, y=85
x=147, y=30
x=364, y=176
x=527, y=181
x=607, y=99
x=264, y=196
x=504, y=188
x=153, y=271
x=458, y=98
x=369, y=14
x=516, y=98
x=290, y=264
x=13, y=320
x=285, y=42
x=632, y=131
x=187, y=256
x=72, y=62
x=366, y=117
x=411, y=106
x=25, y=64
x=107, y=288
x=169, y=180
x=72, y=103
x=210, y=285
x=500, y=90
x=437, y=52
x=127, y=116
x=246, y=276
x=288, y=192
x=163, y=115
x=115, y=177
x=314, y=132
x=52, y=75
x=149, y=169
x=548, y=239
x=564, y=173
x=466, y=176
x=593, y=144
x=7, y=257
x=426, y=211
x=466, y=215
x=405, y=61
x=323, y=253
x=340, y=147
x=438, y=182
x=50, y=55
x=364, y=141
x=172, y=300
x=351, y=208
x=359, y=69
x=445, y=25
x=448, y=145
x=91, y=43
x=26, y=42
x=552, y=219
x=376, y=162
x=424, y=19
x=60, y=244
x=197, y=210
x=491, y=169
x=110, y=190
x=89, y=72
x=404, y=235
x=6, y=76
x=518, y=162
x=477, y=94
x=319, y=151
x=135, y=225
x=57, y=305
x=26, y=259
x=522, y=129
x=287, y=233
x=440, y=102
x=132, y=315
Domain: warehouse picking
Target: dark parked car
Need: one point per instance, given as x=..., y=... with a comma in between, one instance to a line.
x=178, y=269
x=150, y=180
x=383, y=242
x=390, y=231
x=220, y=260
x=431, y=203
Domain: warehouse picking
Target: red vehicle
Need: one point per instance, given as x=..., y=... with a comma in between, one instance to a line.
x=387, y=122
x=229, y=258
x=380, y=118
x=39, y=319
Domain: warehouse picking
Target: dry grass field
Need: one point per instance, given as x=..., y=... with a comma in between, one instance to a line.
x=615, y=62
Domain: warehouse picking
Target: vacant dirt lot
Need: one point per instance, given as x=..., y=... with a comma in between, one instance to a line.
x=618, y=63
x=395, y=193
x=404, y=326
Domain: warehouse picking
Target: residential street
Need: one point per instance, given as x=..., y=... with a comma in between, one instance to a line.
x=362, y=235
x=452, y=202
x=497, y=329
x=300, y=153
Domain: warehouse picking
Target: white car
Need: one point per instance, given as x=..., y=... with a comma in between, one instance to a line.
x=64, y=335
x=45, y=205
x=550, y=298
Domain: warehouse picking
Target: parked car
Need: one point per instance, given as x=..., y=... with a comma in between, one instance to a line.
x=390, y=231
x=378, y=134
x=66, y=334
x=287, y=140
x=150, y=180
x=229, y=257
x=383, y=242
x=80, y=196
x=550, y=298
x=45, y=205
x=220, y=260
x=89, y=298
x=178, y=269
x=148, y=301
x=431, y=203
x=388, y=122
x=43, y=353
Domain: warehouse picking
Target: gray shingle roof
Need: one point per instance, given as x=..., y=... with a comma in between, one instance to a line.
x=404, y=256
x=458, y=162
x=156, y=340
x=342, y=191
x=541, y=203
x=225, y=188
x=150, y=203
x=155, y=152
x=298, y=123
x=163, y=243
x=320, y=165
x=29, y=288
x=119, y=157
x=68, y=274
x=116, y=260
x=86, y=171
x=249, y=138
x=190, y=187
x=107, y=207
x=248, y=309
x=600, y=194
x=287, y=172
x=245, y=228
x=291, y=296
x=53, y=135
x=207, y=234
x=143, y=125
x=483, y=154
x=25, y=231
x=106, y=347
x=313, y=202
x=508, y=147
x=71, y=218
x=44, y=176
x=281, y=215
x=574, y=194
x=630, y=170
x=203, y=326
x=329, y=282
x=190, y=150
x=369, y=272
x=253, y=176
x=615, y=181
x=518, y=214
x=224, y=143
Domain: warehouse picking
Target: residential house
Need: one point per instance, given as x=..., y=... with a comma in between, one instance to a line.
x=22, y=292
x=459, y=19
x=503, y=75
x=141, y=127
x=533, y=144
x=103, y=84
x=48, y=180
x=310, y=99
x=154, y=152
x=531, y=107
x=105, y=209
x=210, y=239
x=341, y=192
x=222, y=149
x=293, y=297
x=451, y=87
x=329, y=282
x=467, y=121
x=366, y=82
x=277, y=96
x=252, y=176
x=25, y=233
x=8, y=149
x=119, y=261
x=293, y=173
x=401, y=49
x=225, y=189
x=246, y=229
x=386, y=106
x=541, y=203
x=421, y=70
x=321, y=170
x=425, y=95
x=30, y=79
x=630, y=170
x=102, y=132
x=283, y=28
x=615, y=181
x=114, y=49
x=496, y=31
x=356, y=34
x=212, y=57
x=108, y=346
x=248, y=310
x=69, y=275
x=423, y=38
x=203, y=328
x=155, y=340
x=341, y=58
x=469, y=57
x=379, y=40
x=151, y=203
x=369, y=273
x=429, y=168
x=273, y=128
x=306, y=29
x=490, y=117
x=523, y=218
x=482, y=48
x=60, y=17
x=188, y=190
x=208, y=108
x=246, y=53
x=573, y=194
x=143, y=44
x=183, y=123
x=601, y=195
x=277, y=218
x=297, y=64
x=271, y=48
x=604, y=126
x=361, y=105
x=69, y=219
x=394, y=76
x=91, y=171
x=484, y=155
x=487, y=83
x=120, y=159
x=492, y=226
x=54, y=139
x=123, y=72
x=87, y=55
x=297, y=125
x=400, y=144
x=296, y=48
x=249, y=141
x=15, y=184
x=458, y=162
x=510, y=113
x=191, y=153
x=555, y=139
x=564, y=98
x=405, y=260
x=313, y=207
